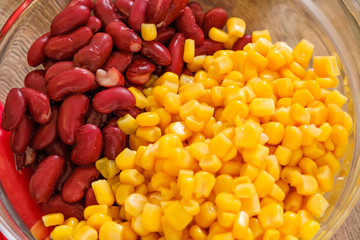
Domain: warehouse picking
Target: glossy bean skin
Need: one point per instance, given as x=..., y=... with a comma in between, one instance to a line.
x=112, y=99
x=138, y=14
x=175, y=10
x=110, y=78
x=64, y=47
x=94, y=24
x=21, y=136
x=88, y=145
x=36, y=80
x=74, y=81
x=186, y=24
x=94, y=55
x=44, y=135
x=112, y=122
x=69, y=19
x=215, y=17
x=78, y=182
x=165, y=35
x=156, y=52
x=57, y=147
x=48, y=63
x=132, y=111
x=106, y=12
x=241, y=42
x=124, y=7
x=208, y=47
x=36, y=53
x=56, y=204
x=176, y=48
x=67, y=169
x=125, y=39
x=114, y=141
x=96, y=118
x=14, y=110
x=157, y=10
x=42, y=182
x=140, y=71
x=86, y=3
x=71, y=117
x=57, y=68
x=118, y=60
x=197, y=12
x=38, y=105
x=90, y=198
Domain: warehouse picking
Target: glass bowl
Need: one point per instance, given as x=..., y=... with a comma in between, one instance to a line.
x=331, y=25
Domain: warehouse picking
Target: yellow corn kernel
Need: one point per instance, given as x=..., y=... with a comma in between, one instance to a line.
x=147, y=92
x=210, y=163
x=325, y=178
x=192, y=207
x=229, y=44
x=264, y=183
x=266, y=201
x=275, y=131
x=115, y=212
x=283, y=102
x=218, y=35
x=198, y=150
x=241, y=224
x=195, y=65
x=277, y=193
x=258, y=59
x=272, y=166
x=148, y=119
x=193, y=91
x=231, y=167
x=128, y=232
x=207, y=215
x=255, y=227
x=222, y=65
x=308, y=166
x=335, y=114
x=107, y=168
x=159, y=93
x=299, y=114
x=149, y=134
x=305, y=184
x=53, y=219
x=180, y=130
x=140, y=100
x=161, y=179
x=227, y=202
x=262, y=107
x=297, y=69
x=103, y=192
x=197, y=233
x=250, y=71
x=225, y=219
x=148, y=31
x=286, y=172
x=317, y=205
x=172, y=102
x=127, y=124
x=271, y=216
x=251, y=205
x=335, y=97
x=314, y=151
x=263, y=46
x=181, y=158
x=275, y=58
x=293, y=202
x=131, y=177
x=256, y=155
x=204, y=183
x=220, y=145
x=189, y=51
x=271, y=234
x=234, y=108
x=223, y=184
x=194, y=124
x=236, y=26
x=302, y=96
x=282, y=115
x=262, y=88
x=79, y=225
x=261, y=34
x=284, y=186
x=62, y=232
x=309, y=229
x=151, y=217
x=134, y=204
x=71, y=222
x=326, y=131
x=292, y=137
x=204, y=112
x=111, y=230
x=245, y=190
x=302, y=52
x=326, y=66
x=97, y=219
x=283, y=155
x=126, y=159
x=339, y=135
x=208, y=62
x=223, y=236
x=168, y=76
x=292, y=224
x=137, y=226
x=90, y=210
x=85, y=233
x=176, y=216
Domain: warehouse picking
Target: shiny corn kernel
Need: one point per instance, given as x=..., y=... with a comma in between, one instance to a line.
x=148, y=31
x=97, y=219
x=62, y=232
x=196, y=64
x=180, y=129
x=223, y=65
x=325, y=178
x=292, y=137
x=271, y=216
x=305, y=184
x=86, y=233
x=218, y=35
x=71, y=222
x=176, y=216
x=135, y=204
x=197, y=232
x=131, y=177
x=275, y=131
x=53, y=219
x=127, y=124
x=303, y=52
x=111, y=230
x=275, y=59
x=309, y=229
x=227, y=202
x=126, y=159
x=256, y=156
x=204, y=111
x=224, y=142
x=189, y=51
x=277, y=193
x=236, y=26
x=193, y=91
x=204, y=183
x=223, y=184
x=255, y=227
x=262, y=107
x=210, y=163
x=140, y=100
x=271, y=234
x=317, y=205
x=283, y=155
x=326, y=66
x=207, y=215
x=107, y=168
x=161, y=180
x=299, y=114
x=148, y=119
x=151, y=217
x=103, y=192
x=261, y=34
x=335, y=97
x=292, y=224
x=90, y=210
x=293, y=202
x=263, y=46
x=123, y=192
x=328, y=82
x=264, y=183
x=149, y=134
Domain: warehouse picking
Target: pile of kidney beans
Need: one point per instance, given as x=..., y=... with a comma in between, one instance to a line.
x=64, y=119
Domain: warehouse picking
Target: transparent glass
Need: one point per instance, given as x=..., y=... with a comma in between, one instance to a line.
x=331, y=25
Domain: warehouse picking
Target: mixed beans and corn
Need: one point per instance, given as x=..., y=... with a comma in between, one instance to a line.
x=165, y=126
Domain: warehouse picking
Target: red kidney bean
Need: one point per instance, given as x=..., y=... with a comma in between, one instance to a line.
x=87, y=3
x=110, y=78
x=67, y=170
x=48, y=63
x=157, y=10
x=78, y=182
x=36, y=80
x=176, y=48
x=94, y=55
x=165, y=35
x=36, y=54
x=113, y=121
x=94, y=24
x=186, y=71
x=186, y=24
x=44, y=135
x=19, y=161
x=90, y=198
x=138, y=14
x=197, y=12
x=64, y=47
x=114, y=141
x=156, y=52
x=88, y=145
x=122, y=112
x=21, y=136
x=78, y=80
x=140, y=71
x=159, y=70
x=38, y=105
x=96, y=118
x=112, y=99
x=42, y=182
x=125, y=39
x=118, y=60
x=56, y=204
x=105, y=10
x=175, y=10
x=124, y=7
x=208, y=47
x=69, y=19
x=57, y=68
x=215, y=17
x=14, y=110
x=242, y=42
x=57, y=147
x=71, y=116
